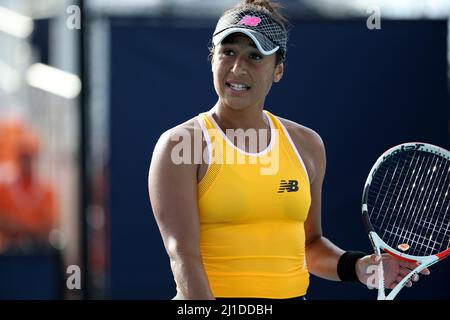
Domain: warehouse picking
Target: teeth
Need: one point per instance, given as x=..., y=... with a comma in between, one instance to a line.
x=238, y=86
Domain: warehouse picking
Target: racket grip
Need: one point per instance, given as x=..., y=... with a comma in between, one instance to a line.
x=380, y=276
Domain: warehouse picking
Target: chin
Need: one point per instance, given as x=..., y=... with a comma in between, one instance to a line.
x=236, y=105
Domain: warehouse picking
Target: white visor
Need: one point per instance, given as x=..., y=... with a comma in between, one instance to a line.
x=264, y=45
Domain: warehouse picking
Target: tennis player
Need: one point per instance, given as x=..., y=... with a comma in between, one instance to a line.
x=245, y=221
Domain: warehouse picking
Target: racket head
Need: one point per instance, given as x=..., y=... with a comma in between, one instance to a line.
x=406, y=201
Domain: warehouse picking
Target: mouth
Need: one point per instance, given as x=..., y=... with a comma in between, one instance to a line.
x=235, y=86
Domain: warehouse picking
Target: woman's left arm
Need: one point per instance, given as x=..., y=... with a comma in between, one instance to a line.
x=322, y=255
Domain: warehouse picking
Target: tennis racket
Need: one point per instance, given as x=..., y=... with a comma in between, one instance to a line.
x=405, y=207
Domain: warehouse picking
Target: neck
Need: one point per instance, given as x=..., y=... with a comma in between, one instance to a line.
x=248, y=118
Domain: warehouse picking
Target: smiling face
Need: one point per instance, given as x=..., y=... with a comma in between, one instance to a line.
x=242, y=75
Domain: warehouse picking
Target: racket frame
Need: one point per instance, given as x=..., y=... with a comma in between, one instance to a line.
x=378, y=244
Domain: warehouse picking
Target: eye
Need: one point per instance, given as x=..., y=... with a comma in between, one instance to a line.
x=255, y=56
x=228, y=52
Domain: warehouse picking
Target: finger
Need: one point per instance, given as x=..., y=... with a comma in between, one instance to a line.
x=397, y=281
x=425, y=271
x=404, y=272
x=408, y=265
x=375, y=258
x=392, y=285
x=413, y=265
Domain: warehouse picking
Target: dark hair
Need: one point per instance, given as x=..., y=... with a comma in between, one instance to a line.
x=268, y=7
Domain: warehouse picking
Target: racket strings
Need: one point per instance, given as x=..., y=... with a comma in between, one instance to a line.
x=419, y=213
x=394, y=179
x=414, y=214
x=432, y=223
x=411, y=208
x=419, y=217
x=409, y=202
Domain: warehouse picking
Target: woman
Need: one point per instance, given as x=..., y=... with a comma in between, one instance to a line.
x=244, y=220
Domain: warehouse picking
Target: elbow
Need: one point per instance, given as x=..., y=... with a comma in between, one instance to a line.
x=180, y=251
x=312, y=240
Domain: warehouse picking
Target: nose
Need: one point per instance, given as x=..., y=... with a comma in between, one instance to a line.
x=239, y=66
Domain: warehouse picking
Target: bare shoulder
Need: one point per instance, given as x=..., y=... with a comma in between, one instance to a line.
x=309, y=144
x=308, y=137
x=182, y=136
x=185, y=129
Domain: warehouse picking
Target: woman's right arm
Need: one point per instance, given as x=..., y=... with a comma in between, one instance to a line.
x=173, y=196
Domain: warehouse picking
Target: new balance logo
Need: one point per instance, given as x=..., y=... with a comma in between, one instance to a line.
x=289, y=186
x=250, y=21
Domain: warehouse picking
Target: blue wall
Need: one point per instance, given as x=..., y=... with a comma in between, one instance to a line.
x=36, y=275
x=363, y=91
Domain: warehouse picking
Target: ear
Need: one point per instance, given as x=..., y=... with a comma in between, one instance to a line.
x=211, y=60
x=278, y=74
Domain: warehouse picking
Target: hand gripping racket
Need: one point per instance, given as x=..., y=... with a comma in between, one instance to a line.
x=405, y=207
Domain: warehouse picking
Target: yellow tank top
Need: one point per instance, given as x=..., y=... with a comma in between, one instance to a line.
x=252, y=209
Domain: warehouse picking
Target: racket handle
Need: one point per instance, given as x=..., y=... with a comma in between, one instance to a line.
x=380, y=276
